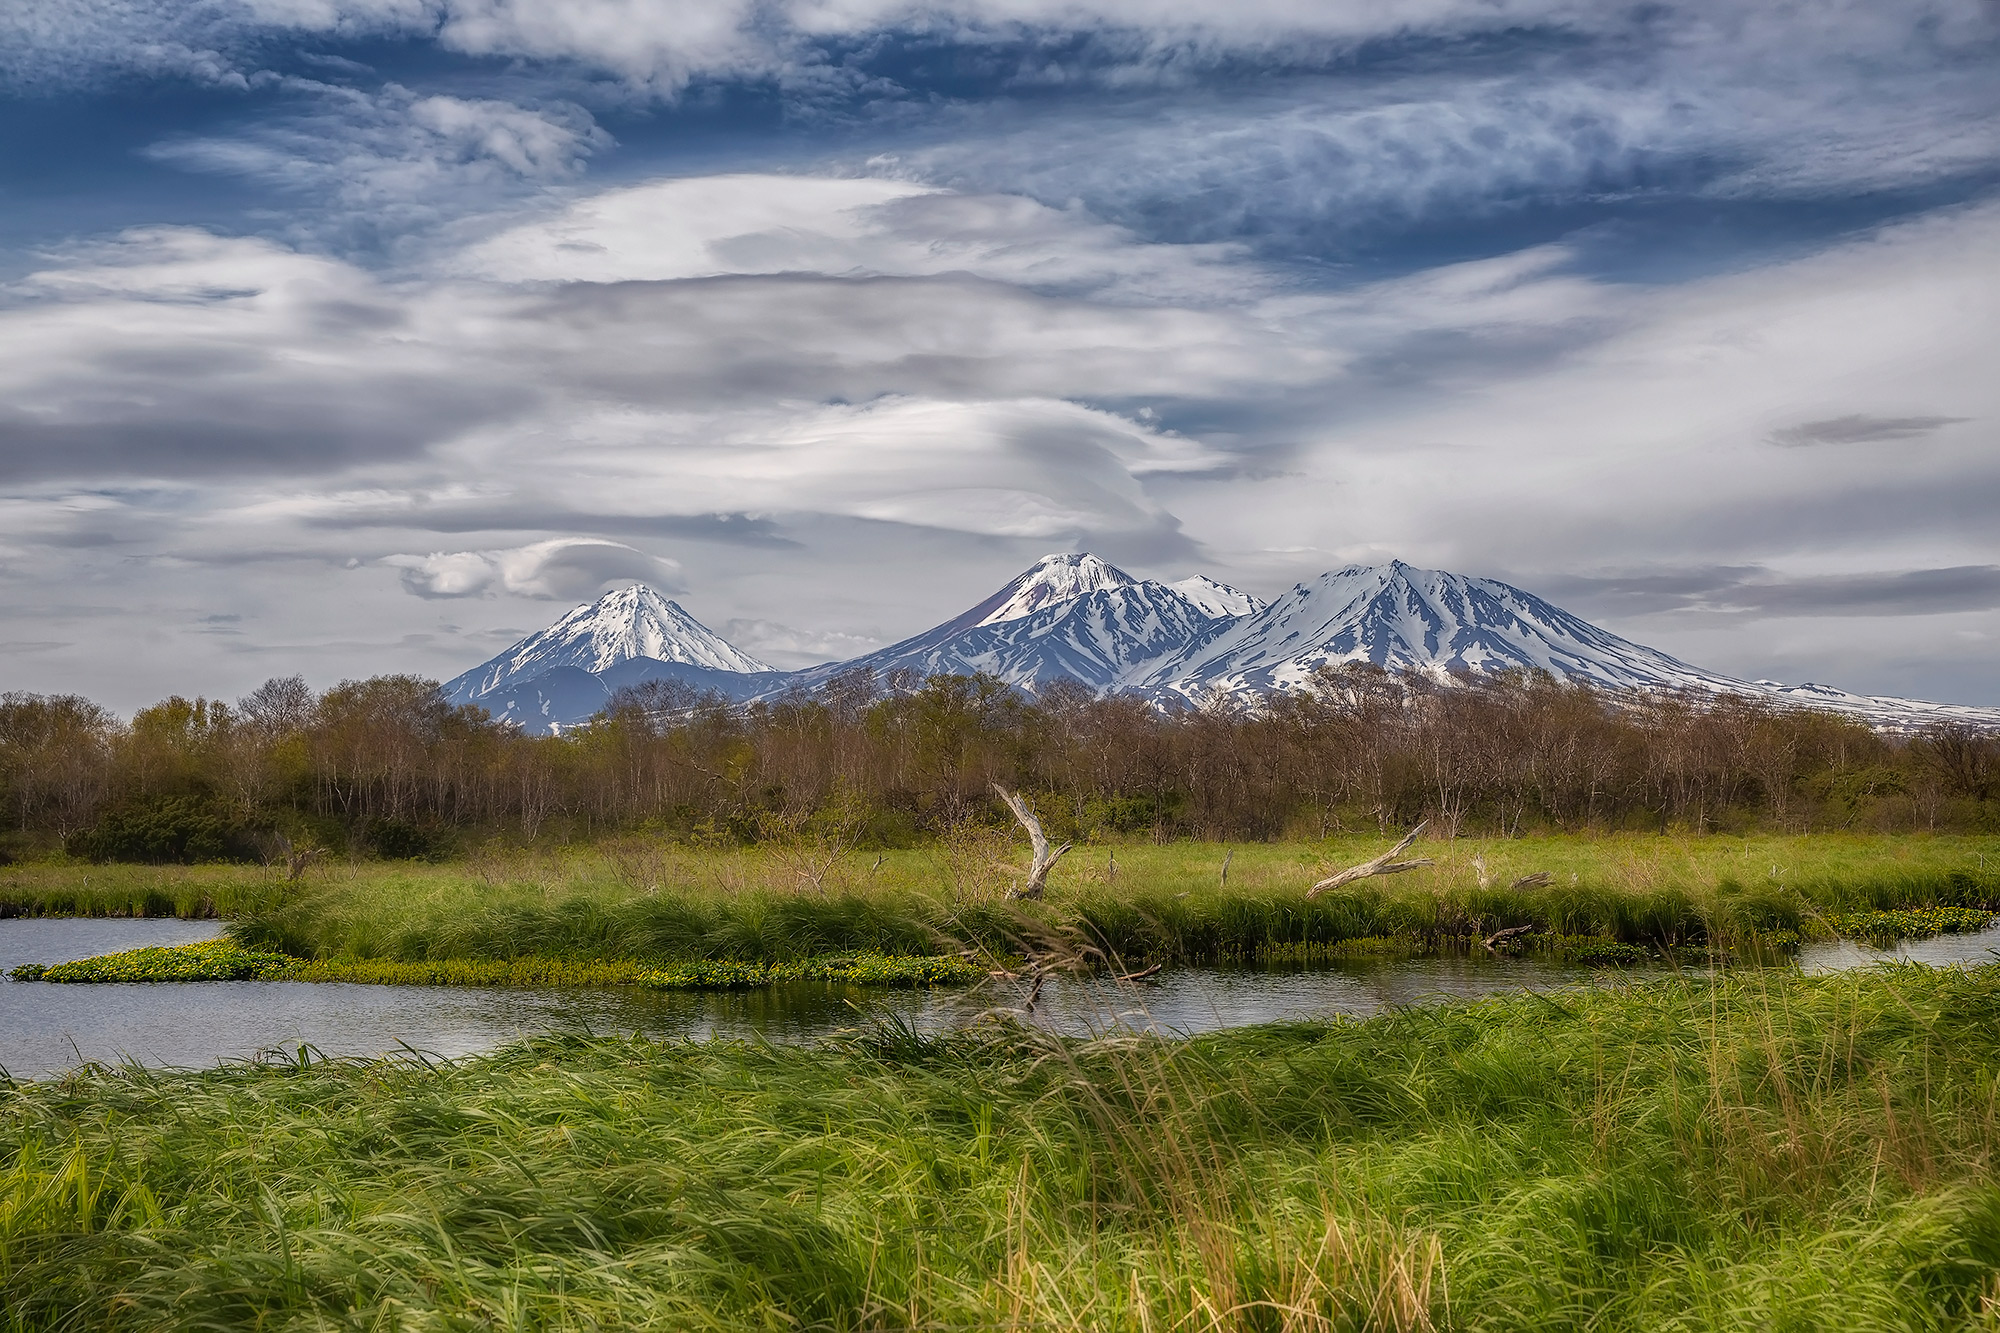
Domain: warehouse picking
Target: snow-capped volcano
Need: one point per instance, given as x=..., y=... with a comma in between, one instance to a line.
x=1073, y=616
x=1218, y=599
x=1050, y=581
x=1413, y=620
x=1067, y=616
x=621, y=626
x=1448, y=625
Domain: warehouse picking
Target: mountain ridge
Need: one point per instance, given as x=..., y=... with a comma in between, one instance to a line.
x=1072, y=615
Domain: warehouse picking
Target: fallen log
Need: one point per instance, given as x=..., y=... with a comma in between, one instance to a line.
x=1502, y=936
x=1534, y=881
x=1385, y=864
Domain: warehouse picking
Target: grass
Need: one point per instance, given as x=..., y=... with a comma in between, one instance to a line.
x=648, y=902
x=860, y=970
x=225, y=960
x=1761, y=1150
x=192, y=893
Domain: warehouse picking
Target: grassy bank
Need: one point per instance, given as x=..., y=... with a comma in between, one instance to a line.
x=651, y=902
x=1763, y=1151
x=225, y=960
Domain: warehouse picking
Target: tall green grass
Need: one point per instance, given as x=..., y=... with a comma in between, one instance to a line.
x=190, y=892
x=1762, y=1151
x=653, y=902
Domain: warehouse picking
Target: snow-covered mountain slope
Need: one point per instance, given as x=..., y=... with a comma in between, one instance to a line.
x=1448, y=625
x=1411, y=620
x=1098, y=638
x=569, y=696
x=1050, y=581
x=1881, y=711
x=1066, y=616
x=1073, y=616
x=620, y=626
x=1217, y=599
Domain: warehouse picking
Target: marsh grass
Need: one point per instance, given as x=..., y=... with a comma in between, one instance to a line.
x=225, y=960
x=649, y=901
x=1756, y=1151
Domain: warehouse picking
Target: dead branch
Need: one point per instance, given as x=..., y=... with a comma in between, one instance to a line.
x=297, y=859
x=1385, y=864
x=1035, y=991
x=1142, y=973
x=1534, y=881
x=1043, y=858
x=1502, y=936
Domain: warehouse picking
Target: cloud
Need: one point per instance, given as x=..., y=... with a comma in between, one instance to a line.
x=1304, y=130
x=708, y=226
x=388, y=161
x=233, y=426
x=173, y=353
x=1020, y=468
x=1761, y=592
x=564, y=568
x=1856, y=428
x=789, y=645
x=176, y=354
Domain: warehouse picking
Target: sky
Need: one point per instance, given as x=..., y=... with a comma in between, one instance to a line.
x=344, y=337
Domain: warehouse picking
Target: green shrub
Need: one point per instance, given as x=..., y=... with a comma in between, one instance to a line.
x=182, y=829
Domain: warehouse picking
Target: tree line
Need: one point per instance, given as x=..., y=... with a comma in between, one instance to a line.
x=388, y=767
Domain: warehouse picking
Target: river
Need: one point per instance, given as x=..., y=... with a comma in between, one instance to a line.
x=45, y=1029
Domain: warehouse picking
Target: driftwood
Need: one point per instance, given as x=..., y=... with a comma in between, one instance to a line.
x=297, y=859
x=1502, y=936
x=1534, y=881
x=1043, y=857
x=1385, y=864
x=1142, y=973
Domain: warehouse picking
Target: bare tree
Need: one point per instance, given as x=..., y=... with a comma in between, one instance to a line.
x=1043, y=858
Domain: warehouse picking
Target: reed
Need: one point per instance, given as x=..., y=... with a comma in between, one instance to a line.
x=1759, y=1150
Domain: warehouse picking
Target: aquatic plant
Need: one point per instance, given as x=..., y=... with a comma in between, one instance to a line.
x=224, y=960
x=208, y=960
x=860, y=970
x=1912, y=923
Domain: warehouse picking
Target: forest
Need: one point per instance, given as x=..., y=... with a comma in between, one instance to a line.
x=386, y=767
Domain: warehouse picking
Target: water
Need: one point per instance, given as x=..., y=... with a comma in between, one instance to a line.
x=1939, y=951
x=45, y=1029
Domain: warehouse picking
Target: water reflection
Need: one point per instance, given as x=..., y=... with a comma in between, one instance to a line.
x=45, y=1029
x=1938, y=951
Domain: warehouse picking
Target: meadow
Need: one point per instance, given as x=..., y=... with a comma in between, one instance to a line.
x=1758, y=1149
x=648, y=901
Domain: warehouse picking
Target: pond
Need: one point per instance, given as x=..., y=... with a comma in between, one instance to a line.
x=45, y=1029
